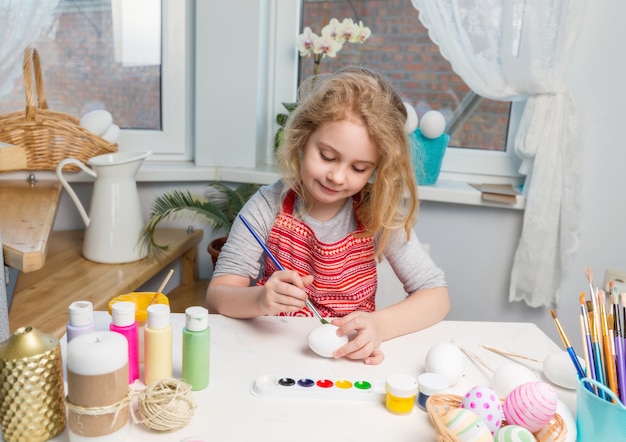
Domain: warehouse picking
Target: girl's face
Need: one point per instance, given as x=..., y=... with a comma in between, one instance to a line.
x=338, y=159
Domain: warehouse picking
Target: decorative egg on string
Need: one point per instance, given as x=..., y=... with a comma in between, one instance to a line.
x=513, y=433
x=446, y=359
x=483, y=401
x=531, y=405
x=433, y=124
x=466, y=425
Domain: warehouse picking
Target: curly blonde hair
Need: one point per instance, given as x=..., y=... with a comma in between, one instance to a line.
x=389, y=201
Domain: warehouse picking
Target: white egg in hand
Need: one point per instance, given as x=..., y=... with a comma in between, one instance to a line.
x=433, y=124
x=323, y=340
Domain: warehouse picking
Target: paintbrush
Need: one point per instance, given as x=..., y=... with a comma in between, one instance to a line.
x=279, y=266
x=609, y=351
x=587, y=343
x=597, y=350
x=568, y=346
x=620, y=362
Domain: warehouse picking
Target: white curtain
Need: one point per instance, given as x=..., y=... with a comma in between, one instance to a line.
x=21, y=23
x=515, y=50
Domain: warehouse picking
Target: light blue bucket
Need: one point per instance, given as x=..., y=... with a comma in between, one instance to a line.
x=598, y=419
x=427, y=156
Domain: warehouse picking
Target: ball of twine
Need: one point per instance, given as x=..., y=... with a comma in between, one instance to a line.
x=166, y=405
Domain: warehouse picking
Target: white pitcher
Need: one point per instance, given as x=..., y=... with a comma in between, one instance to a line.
x=115, y=221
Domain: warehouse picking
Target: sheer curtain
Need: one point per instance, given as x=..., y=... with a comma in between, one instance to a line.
x=21, y=22
x=519, y=50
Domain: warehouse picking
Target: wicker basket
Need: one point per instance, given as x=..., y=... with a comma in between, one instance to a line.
x=47, y=136
x=438, y=405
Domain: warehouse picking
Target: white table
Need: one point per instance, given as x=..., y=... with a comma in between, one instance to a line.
x=244, y=350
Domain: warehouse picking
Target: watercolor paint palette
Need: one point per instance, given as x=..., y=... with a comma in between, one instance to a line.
x=306, y=387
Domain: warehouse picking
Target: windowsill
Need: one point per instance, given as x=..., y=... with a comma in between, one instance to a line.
x=445, y=190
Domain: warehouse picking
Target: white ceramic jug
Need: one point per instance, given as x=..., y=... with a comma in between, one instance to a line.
x=115, y=221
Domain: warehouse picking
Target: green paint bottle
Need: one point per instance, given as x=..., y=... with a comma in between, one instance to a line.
x=196, y=347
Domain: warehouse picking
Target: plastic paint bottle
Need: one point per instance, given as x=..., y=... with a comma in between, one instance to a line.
x=123, y=314
x=196, y=347
x=158, y=344
x=80, y=319
x=400, y=391
x=429, y=384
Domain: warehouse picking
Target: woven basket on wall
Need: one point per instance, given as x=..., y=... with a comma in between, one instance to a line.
x=47, y=136
x=438, y=405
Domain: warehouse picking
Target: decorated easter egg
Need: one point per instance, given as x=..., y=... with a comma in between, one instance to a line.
x=433, y=124
x=446, y=359
x=323, y=340
x=531, y=405
x=483, y=401
x=466, y=425
x=513, y=433
x=510, y=375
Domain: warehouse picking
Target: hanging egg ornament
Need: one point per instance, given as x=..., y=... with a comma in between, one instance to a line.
x=466, y=425
x=513, y=433
x=483, y=401
x=433, y=124
x=531, y=405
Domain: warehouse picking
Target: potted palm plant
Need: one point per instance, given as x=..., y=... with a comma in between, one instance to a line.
x=218, y=207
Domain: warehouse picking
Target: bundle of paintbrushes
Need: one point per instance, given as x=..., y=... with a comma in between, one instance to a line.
x=602, y=325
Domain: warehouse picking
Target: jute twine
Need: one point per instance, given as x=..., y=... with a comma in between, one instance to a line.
x=116, y=408
x=165, y=405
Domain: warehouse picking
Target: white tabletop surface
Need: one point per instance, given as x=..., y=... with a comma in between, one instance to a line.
x=245, y=350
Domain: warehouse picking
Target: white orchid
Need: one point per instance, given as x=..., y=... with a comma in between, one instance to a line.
x=305, y=42
x=331, y=39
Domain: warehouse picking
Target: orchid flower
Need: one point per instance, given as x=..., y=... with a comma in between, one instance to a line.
x=305, y=42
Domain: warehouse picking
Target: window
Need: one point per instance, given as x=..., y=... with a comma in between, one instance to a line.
x=220, y=90
x=109, y=54
x=401, y=49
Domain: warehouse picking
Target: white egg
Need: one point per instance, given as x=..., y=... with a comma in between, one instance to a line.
x=97, y=121
x=446, y=359
x=323, y=340
x=510, y=375
x=560, y=370
x=411, y=120
x=433, y=124
x=112, y=134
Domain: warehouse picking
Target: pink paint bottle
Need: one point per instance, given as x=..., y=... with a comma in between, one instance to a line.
x=124, y=323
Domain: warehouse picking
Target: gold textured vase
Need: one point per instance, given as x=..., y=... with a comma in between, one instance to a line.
x=32, y=406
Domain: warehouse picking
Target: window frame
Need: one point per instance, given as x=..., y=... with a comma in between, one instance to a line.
x=174, y=141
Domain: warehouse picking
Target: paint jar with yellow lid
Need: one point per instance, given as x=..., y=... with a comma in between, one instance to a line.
x=141, y=300
x=401, y=390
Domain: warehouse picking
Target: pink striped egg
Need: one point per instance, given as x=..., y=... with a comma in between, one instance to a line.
x=531, y=405
x=483, y=401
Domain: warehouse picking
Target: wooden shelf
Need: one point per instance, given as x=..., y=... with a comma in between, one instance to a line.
x=41, y=298
x=26, y=219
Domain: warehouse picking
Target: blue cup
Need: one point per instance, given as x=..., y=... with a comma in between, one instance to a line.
x=598, y=419
x=427, y=155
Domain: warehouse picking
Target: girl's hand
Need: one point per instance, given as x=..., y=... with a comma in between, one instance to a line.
x=365, y=344
x=284, y=292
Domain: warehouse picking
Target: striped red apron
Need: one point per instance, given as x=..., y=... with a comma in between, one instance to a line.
x=344, y=272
